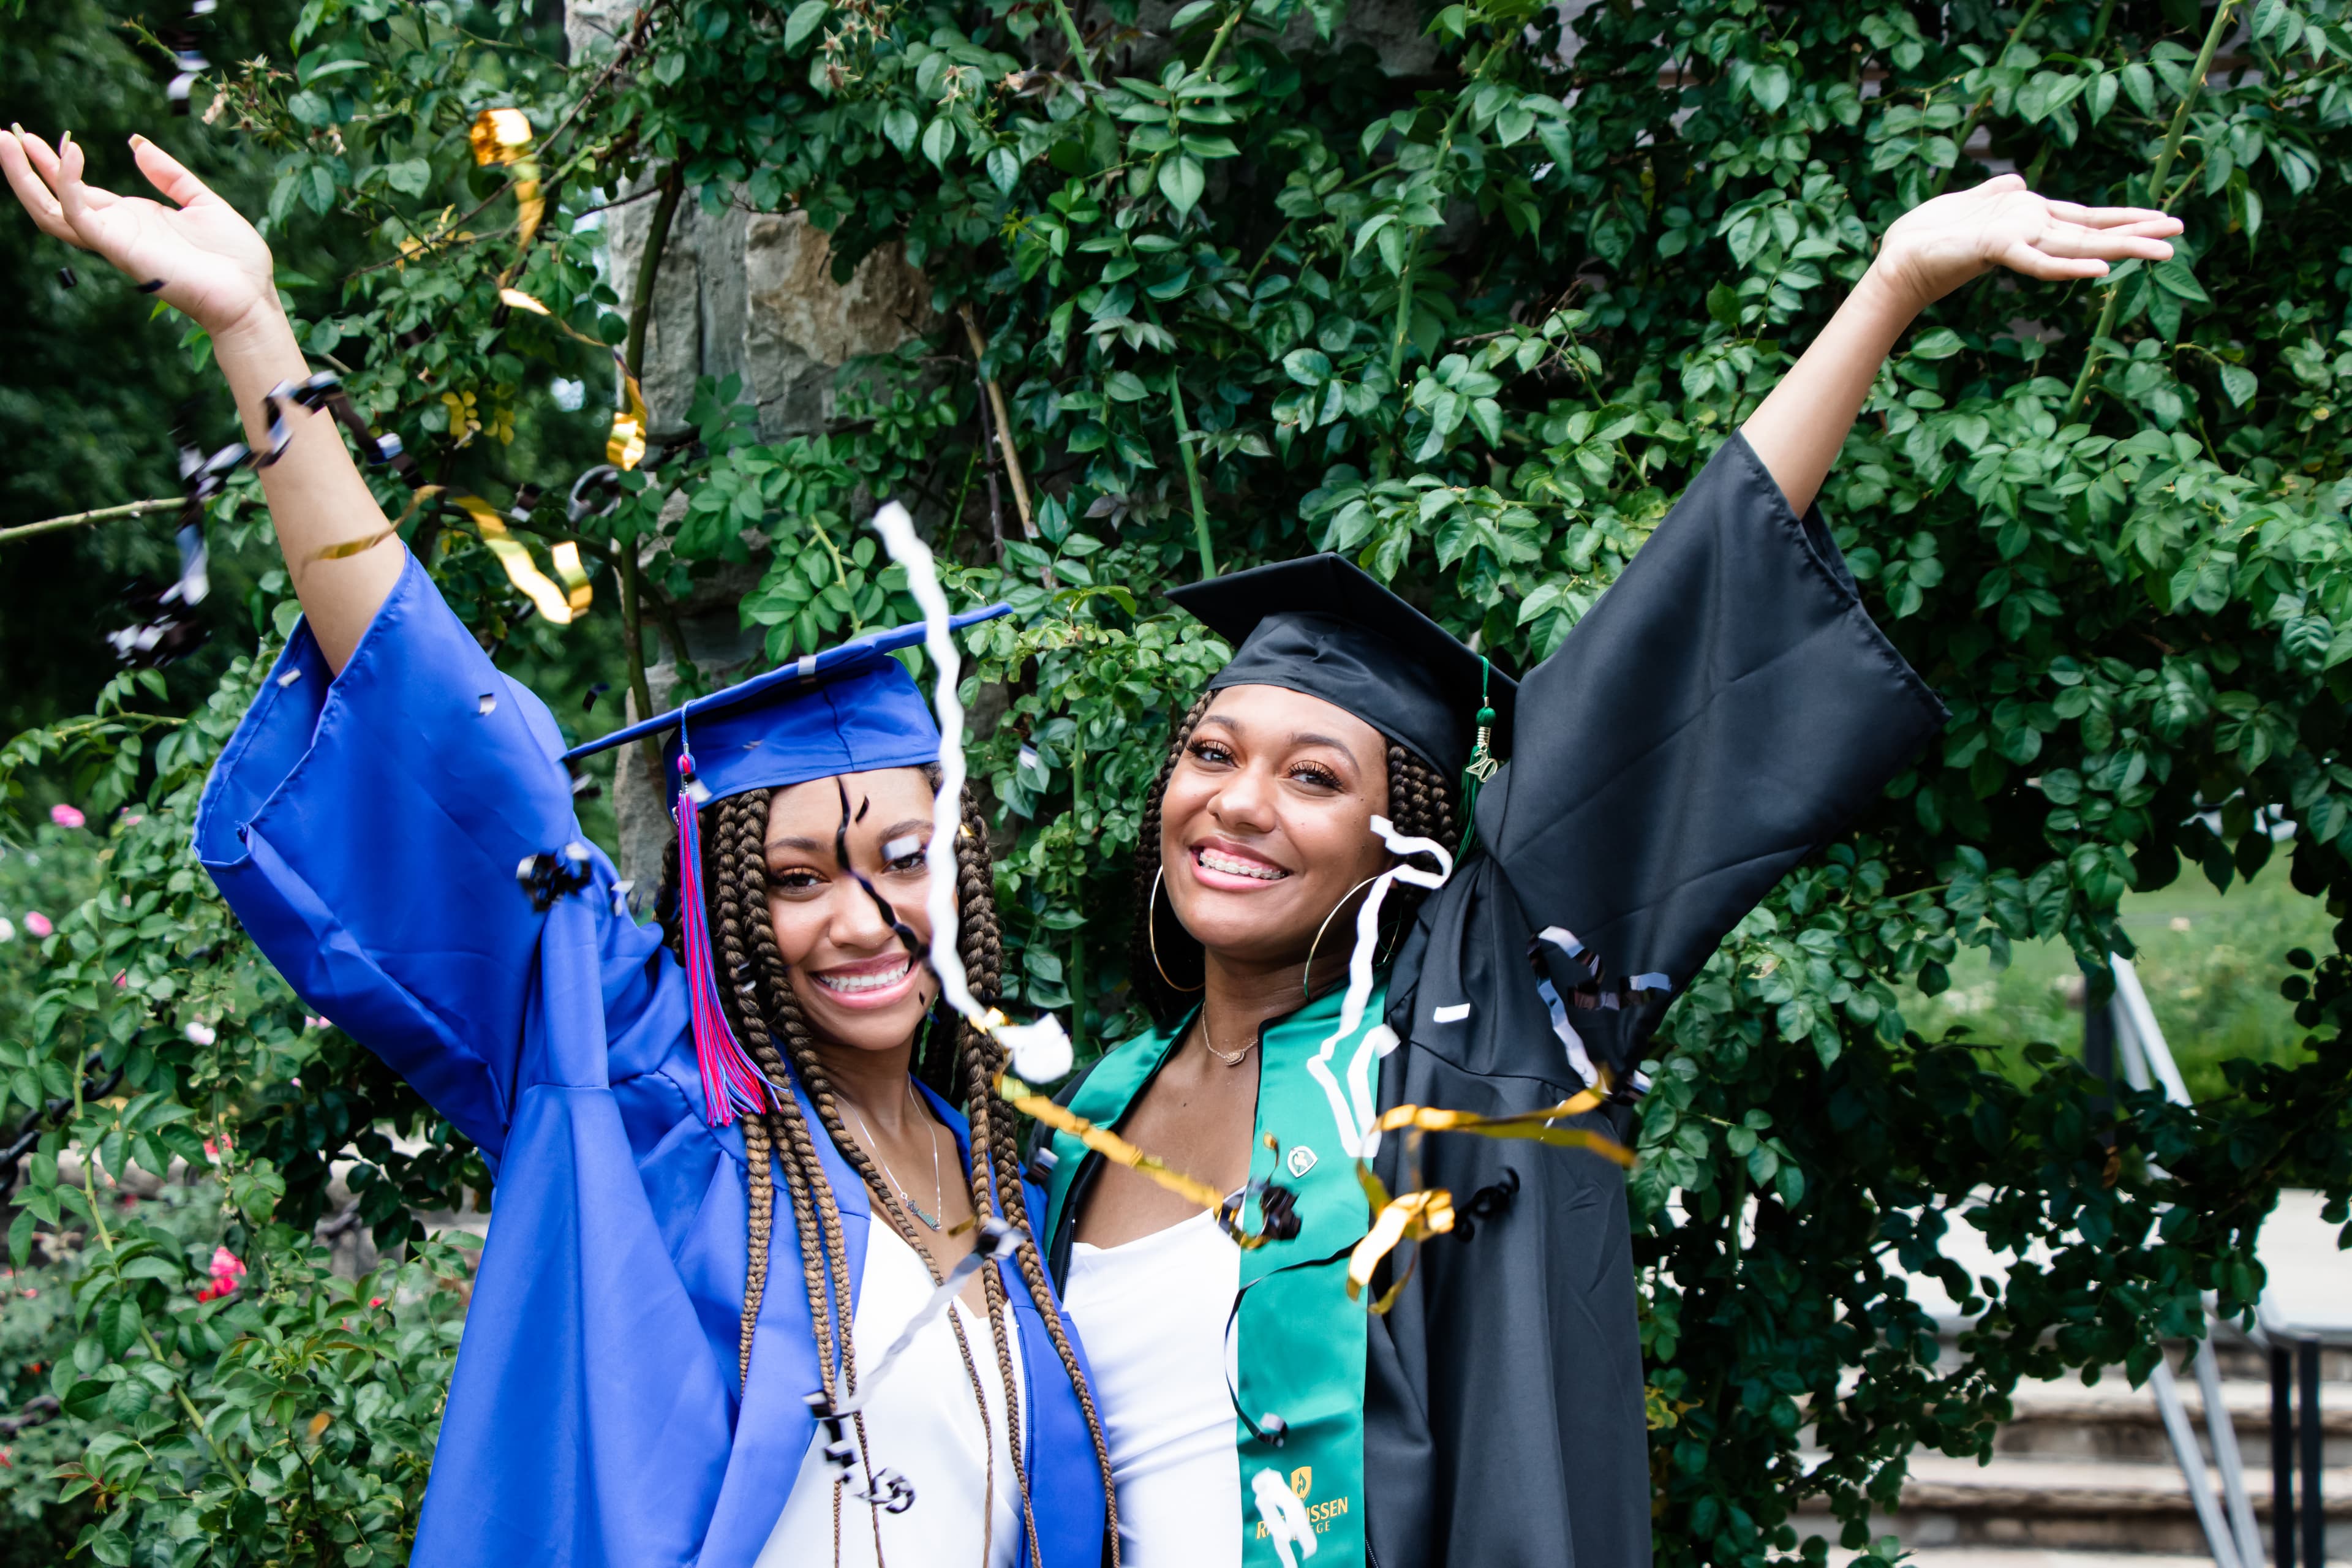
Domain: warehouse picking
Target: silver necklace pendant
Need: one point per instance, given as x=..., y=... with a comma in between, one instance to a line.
x=939, y=1191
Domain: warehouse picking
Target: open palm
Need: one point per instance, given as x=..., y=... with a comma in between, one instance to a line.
x=1941, y=244
x=208, y=261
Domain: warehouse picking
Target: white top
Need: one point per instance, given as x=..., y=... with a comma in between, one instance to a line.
x=1152, y=1316
x=922, y=1424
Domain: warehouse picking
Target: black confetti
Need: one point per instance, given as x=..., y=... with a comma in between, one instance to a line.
x=547, y=877
x=66, y=279
x=150, y=285
x=588, y=704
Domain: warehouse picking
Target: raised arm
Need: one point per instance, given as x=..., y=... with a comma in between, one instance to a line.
x=1926, y=253
x=210, y=264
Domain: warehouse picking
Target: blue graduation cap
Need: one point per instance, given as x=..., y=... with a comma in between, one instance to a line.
x=849, y=710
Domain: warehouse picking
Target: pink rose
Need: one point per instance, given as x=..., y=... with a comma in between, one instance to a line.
x=228, y=1269
x=66, y=816
x=37, y=923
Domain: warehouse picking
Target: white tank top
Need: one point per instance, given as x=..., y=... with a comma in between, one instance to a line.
x=922, y=1424
x=1152, y=1314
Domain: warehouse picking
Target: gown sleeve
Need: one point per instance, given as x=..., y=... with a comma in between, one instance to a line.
x=1725, y=707
x=367, y=828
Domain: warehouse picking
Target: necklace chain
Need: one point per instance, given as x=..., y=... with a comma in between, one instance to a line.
x=939, y=1191
x=1231, y=1059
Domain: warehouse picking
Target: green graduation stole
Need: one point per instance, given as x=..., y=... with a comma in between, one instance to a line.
x=1301, y=1342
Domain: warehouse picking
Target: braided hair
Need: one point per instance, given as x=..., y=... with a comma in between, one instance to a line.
x=757, y=995
x=1165, y=960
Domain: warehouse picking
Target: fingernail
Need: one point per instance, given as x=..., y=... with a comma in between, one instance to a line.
x=137, y=139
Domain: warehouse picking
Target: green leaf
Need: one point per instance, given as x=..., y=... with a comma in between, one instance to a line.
x=411, y=176
x=2238, y=385
x=940, y=142
x=1181, y=180
x=1939, y=343
x=805, y=18
x=1003, y=169
x=901, y=126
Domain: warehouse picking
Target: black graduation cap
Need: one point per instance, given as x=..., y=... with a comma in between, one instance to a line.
x=1323, y=626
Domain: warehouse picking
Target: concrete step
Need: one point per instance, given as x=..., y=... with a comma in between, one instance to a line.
x=2112, y=1420
x=2108, y=1505
x=2049, y=1557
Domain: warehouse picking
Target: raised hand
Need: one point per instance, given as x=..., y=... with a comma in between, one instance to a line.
x=1926, y=253
x=1941, y=244
x=210, y=262
x=205, y=260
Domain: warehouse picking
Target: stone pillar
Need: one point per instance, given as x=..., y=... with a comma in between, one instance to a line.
x=749, y=295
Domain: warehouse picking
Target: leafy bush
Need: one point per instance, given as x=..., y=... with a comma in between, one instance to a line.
x=1472, y=316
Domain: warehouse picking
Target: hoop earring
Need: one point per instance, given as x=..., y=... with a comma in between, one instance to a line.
x=1306, y=975
x=1151, y=937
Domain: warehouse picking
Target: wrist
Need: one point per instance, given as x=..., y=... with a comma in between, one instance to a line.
x=258, y=330
x=1888, y=287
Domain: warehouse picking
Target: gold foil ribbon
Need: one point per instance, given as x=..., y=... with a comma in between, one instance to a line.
x=560, y=605
x=557, y=604
x=625, y=448
x=1415, y=1216
x=503, y=136
x=1109, y=1144
x=1534, y=1125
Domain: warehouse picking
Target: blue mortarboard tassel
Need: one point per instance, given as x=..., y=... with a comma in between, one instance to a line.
x=732, y=1083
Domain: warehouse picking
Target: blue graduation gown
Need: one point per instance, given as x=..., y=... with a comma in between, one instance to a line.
x=367, y=828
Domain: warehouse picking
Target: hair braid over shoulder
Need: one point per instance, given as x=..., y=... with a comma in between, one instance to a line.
x=757, y=994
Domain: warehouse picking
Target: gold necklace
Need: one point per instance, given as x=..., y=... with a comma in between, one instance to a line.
x=1209, y=1045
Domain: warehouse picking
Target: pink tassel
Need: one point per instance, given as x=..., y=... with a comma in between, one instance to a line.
x=732, y=1083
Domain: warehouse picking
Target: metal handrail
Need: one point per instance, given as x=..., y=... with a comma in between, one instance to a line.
x=2235, y=1542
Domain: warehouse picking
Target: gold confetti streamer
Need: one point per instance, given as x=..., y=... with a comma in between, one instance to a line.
x=503, y=136
x=1109, y=1144
x=551, y=602
x=1415, y=1216
x=625, y=448
x=1534, y=1125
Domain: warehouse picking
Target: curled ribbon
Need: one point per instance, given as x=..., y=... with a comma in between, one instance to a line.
x=1107, y=1143
x=1415, y=1216
x=625, y=448
x=1534, y=1125
x=503, y=136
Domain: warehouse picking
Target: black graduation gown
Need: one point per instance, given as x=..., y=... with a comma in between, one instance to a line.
x=1724, y=708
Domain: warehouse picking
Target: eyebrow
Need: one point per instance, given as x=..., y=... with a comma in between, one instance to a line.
x=798, y=841
x=1301, y=737
x=820, y=846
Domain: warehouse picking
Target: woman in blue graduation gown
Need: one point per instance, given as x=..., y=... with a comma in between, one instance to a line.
x=1727, y=706
x=651, y=1319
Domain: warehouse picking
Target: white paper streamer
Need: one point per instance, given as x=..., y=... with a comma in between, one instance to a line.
x=1353, y=1108
x=1041, y=1051
x=1284, y=1515
x=995, y=1237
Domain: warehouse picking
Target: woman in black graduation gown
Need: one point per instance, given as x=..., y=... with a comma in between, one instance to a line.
x=1724, y=708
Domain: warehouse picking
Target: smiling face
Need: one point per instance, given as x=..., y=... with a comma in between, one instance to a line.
x=1267, y=823
x=854, y=981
